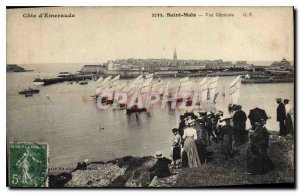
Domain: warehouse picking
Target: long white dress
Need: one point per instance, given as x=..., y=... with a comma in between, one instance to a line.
x=190, y=135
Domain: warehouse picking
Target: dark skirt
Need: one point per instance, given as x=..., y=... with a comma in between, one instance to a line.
x=289, y=124
x=258, y=161
x=176, y=153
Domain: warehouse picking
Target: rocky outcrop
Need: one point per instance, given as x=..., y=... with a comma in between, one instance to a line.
x=123, y=172
x=14, y=68
x=96, y=175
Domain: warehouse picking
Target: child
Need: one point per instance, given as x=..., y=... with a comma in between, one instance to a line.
x=176, y=144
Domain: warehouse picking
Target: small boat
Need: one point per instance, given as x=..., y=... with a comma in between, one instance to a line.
x=28, y=95
x=83, y=82
x=64, y=74
x=135, y=109
x=28, y=91
x=38, y=82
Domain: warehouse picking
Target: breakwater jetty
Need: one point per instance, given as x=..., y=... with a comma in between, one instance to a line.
x=49, y=81
x=267, y=81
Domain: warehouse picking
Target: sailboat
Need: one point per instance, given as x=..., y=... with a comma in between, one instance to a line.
x=234, y=91
x=212, y=89
x=102, y=86
x=112, y=88
x=202, y=95
x=183, y=90
x=158, y=88
x=165, y=95
x=141, y=93
x=208, y=94
x=99, y=80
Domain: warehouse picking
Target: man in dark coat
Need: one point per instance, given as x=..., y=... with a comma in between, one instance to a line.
x=256, y=115
x=161, y=167
x=281, y=116
x=239, y=126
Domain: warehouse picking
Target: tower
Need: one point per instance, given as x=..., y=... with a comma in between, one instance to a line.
x=175, y=55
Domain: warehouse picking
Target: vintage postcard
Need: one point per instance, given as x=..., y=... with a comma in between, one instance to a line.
x=150, y=97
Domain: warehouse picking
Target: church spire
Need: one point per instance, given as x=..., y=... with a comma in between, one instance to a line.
x=175, y=55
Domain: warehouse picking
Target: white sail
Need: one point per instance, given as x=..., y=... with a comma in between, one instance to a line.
x=185, y=86
x=102, y=86
x=138, y=78
x=99, y=80
x=149, y=80
x=183, y=79
x=157, y=88
x=121, y=86
x=203, y=90
x=212, y=86
x=147, y=76
x=105, y=81
x=98, y=91
x=114, y=82
x=235, y=90
x=166, y=90
x=145, y=89
x=184, y=89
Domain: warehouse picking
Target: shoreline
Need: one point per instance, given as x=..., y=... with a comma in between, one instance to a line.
x=121, y=172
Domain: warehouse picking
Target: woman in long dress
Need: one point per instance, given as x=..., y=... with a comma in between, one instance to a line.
x=189, y=147
x=289, y=117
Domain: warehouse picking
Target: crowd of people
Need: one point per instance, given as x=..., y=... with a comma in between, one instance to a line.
x=197, y=131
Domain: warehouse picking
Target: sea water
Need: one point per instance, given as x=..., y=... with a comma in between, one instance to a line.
x=67, y=118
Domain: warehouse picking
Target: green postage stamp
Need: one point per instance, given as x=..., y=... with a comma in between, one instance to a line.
x=28, y=164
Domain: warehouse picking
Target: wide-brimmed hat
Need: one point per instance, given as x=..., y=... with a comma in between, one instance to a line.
x=278, y=99
x=175, y=130
x=189, y=121
x=158, y=154
x=286, y=100
x=209, y=114
x=202, y=113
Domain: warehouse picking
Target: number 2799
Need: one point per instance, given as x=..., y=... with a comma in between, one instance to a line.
x=157, y=15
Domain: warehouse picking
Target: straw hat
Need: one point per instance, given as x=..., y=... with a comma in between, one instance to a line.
x=158, y=154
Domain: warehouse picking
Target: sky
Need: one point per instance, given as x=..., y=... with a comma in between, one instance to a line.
x=98, y=34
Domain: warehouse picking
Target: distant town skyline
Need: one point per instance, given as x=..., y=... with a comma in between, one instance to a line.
x=96, y=35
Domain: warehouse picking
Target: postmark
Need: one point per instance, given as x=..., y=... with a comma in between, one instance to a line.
x=28, y=164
